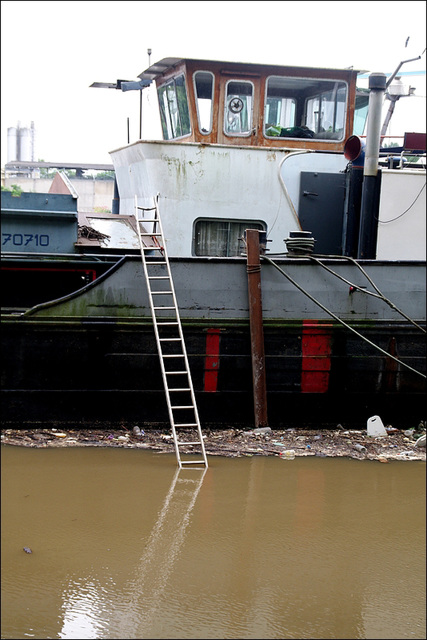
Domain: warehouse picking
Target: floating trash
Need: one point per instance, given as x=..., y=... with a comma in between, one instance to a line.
x=360, y=447
x=375, y=427
x=289, y=454
x=421, y=442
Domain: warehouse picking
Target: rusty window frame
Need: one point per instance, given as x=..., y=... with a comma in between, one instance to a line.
x=167, y=93
x=249, y=112
x=204, y=132
x=331, y=83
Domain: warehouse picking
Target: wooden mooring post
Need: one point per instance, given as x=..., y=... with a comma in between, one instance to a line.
x=256, y=327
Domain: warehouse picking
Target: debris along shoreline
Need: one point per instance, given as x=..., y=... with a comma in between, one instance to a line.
x=233, y=443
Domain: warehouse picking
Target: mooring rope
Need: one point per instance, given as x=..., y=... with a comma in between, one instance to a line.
x=333, y=315
x=253, y=268
x=378, y=295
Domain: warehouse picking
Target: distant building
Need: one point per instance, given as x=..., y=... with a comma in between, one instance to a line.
x=94, y=194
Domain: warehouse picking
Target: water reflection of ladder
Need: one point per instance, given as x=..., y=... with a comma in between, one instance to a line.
x=144, y=595
x=180, y=398
x=168, y=533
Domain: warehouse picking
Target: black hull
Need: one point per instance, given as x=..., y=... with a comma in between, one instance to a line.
x=108, y=373
x=114, y=408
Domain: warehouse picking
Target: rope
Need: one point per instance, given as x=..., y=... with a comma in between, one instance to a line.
x=370, y=293
x=378, y=295
x=319, y=304
x=253, y=268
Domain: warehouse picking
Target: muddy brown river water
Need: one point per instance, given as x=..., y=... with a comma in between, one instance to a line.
x=126, y=546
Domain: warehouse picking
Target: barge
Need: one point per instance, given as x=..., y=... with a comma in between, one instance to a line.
x=268, y=148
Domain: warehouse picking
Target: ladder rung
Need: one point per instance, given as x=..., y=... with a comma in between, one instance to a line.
x=187, y=424
x=158, y=278
x=152, y=247
x=183, y=406
x=159, y=293
x=163, y=308
x=157, y=262
x=176, y=373
x=152, y=234
x=181, y=444
x=173, y=355
x=192, y=461
x=167, y=323
x=170, y=339
x=177, y=389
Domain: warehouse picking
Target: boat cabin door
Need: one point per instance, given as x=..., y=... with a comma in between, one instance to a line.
x=238, y=115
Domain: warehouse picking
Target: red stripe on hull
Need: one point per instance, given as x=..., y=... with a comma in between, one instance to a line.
x=212, y=360
x=316, y=357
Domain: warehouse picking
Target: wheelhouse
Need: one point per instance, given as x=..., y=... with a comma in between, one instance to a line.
x=254, y=104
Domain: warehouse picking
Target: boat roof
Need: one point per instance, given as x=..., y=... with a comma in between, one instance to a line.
x=166, y=64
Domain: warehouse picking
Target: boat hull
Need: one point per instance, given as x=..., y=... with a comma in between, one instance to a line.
x=92, y=357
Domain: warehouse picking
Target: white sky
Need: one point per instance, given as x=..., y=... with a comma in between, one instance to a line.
x=52, y=51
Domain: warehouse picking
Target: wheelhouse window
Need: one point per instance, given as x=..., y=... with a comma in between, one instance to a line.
x=221, y=237
x=174, y=113
x=305, y=108
x=361, y=112
x=204, y=90
x=238, y=107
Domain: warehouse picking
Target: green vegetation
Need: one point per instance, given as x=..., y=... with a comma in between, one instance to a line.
x=102, y=210
x=72, y=173
x=46, y=173
x=104, y=175
x=407, y=158
x=15, y=189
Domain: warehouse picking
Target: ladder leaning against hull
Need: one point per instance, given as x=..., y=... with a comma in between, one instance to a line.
x=177, y=381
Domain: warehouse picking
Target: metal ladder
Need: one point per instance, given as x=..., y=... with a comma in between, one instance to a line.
x=174, y=365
